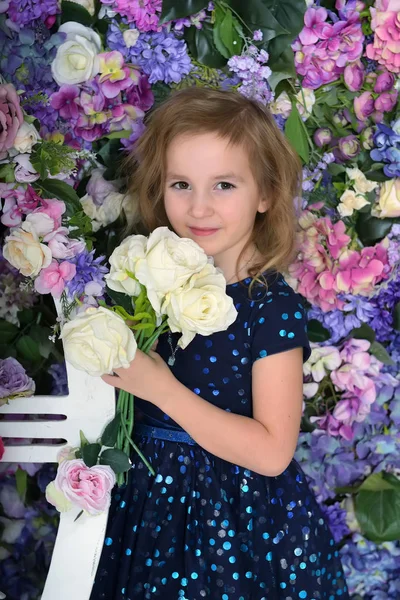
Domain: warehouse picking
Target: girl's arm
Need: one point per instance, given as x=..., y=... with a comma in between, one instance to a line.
x=264, y=444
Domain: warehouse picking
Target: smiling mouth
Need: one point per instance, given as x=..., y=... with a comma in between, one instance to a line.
x=203, y=231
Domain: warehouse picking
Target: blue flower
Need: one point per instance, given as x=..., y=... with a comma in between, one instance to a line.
x=387, y=150
x=160, y=55
x=88, y=269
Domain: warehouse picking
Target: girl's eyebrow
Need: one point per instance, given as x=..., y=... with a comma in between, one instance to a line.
x=216, y=177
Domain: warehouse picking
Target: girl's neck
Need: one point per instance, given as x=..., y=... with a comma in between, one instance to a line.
x=233, y=274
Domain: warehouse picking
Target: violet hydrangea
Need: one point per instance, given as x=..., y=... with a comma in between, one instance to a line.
x=14, y=382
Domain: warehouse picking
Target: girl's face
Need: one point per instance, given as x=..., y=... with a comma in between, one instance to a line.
x=211, y=195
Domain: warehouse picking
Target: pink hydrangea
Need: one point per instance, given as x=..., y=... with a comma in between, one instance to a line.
x=144, y=13
x=385, y=24
x=326, y=267
x=323, y=49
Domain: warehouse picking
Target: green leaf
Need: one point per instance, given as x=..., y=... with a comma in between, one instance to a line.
x=28, y=348
x=378, y=513
x=84, y=440
x=21, y=480
x=370, y=229
x=317, y=332
x=396, y=317
x=71, y=11
x=121, y=299
x=276, y=78
x=8, y=331
x=25, y=316
x=375, y=483
x=7, y=173
x=257, y=15
x=110, y=433
x=90, y=453
x=117, y=135
x=173, y=10
x=219, y=44
x=380, y=353
x=365, y=332
x=55, y=188
x=295, y=133
x=202, y=47
x=116, y=459
x=229, y=35
x=109, y=152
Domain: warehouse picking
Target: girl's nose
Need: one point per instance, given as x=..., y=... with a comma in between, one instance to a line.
x=200, y=205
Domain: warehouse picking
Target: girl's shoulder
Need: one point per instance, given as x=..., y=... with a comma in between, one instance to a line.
x=276, y=319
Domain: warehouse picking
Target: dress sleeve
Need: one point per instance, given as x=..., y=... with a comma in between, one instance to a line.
x=279, y=322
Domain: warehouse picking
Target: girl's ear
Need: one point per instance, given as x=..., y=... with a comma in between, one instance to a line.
x=263, y=205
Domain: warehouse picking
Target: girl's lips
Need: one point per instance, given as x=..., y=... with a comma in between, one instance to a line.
x=202, y=231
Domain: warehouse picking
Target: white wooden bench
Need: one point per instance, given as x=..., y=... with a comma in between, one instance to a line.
x=89, y=406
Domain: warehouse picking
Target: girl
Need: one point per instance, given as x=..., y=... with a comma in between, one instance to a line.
x=229, y=514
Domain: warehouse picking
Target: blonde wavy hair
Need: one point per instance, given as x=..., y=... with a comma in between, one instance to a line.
x=275, y=166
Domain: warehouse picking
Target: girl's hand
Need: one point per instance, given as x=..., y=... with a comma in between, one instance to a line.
x=148, y=377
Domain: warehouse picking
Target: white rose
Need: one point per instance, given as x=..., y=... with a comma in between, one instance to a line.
x=26, y=138
x=88, y=4
x=24, y=251
x=305, y=101
x=389, y=199
x=98, y=341
x=282, y=105
x=105, y=213
x=349, y=202
x=76, y=60
x=39, y=224
x=201, y=306
x=361, y=184
x=130, y=36
x=123, y=263
x=169, y=263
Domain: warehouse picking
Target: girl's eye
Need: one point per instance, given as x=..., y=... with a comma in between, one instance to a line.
x=225, y=186
x=180, y=185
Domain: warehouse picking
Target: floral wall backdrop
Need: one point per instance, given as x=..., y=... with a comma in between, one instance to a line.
x=77, y=81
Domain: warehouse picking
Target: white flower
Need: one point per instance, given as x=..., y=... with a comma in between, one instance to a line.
x=24, y=251
x=282, y=105
x=389, y=199
x=130, y=36
x=349, y=202
x=88, y=4
x=123, y=264
x=76, y=60
x=26, y=138
x=322, y=360
x=39, y=224
x=98, y=341
x=200, y=306
x=305, y=100
x=105, y=213
x=24, y=171
x=361, y=184
x=169, y=263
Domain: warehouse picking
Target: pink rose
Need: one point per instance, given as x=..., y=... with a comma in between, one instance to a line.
x=11, y=117
x=384, y=82
x=61, y=245
x=386, y=101
x=364, y=106
x=52, y=279
x=354, y=76
x=78, y=485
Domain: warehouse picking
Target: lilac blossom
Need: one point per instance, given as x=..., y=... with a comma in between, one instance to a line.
x=336, y=516
x=251, y=67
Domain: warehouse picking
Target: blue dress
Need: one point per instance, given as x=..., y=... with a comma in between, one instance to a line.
x=204, y=527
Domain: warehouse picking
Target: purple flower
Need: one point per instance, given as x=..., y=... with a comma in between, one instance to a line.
x=160, y=55
x=251, y=67
x=66, y=101
x=387, y=148
x=88, y=269
x=322, y=136
x=336, y=517
x=257, y=35
x=58, y=373
x=23, y=12
x=347, y=148
x=384, y=82
x=14, y=382
x=138, y=128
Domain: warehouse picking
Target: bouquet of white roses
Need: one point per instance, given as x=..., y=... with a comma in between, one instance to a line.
x=160, y=283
